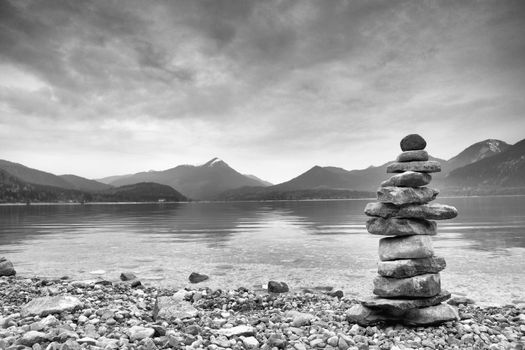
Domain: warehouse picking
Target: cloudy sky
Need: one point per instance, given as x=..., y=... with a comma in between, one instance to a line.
x=99, y=88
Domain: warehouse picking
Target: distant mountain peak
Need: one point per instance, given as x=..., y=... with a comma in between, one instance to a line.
x=215, y=162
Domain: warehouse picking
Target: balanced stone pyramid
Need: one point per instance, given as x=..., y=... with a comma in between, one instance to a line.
x=408, y=287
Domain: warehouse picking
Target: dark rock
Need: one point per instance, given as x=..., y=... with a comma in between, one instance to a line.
x=6, y=267
x=193, y=329
x=412, y=142
x=422, y=286
x=135, y=284
x=410, y=267
x=406, y=195
x=400, y=227
x=405, y=247
x=337, y=294
x=429, y=166
x=431, y=315
x=197, y=277
x=408, y=179
x=365, y=316
x=50, y=305
x=411, y=211
x=127, y=276
x=400, y=306
x=160, y=331
x=277, y=287
x=411, y=156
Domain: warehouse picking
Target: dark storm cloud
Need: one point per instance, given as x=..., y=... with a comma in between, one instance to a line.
x=260, y=76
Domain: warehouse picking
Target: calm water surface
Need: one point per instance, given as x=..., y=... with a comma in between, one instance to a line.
x=307, y=244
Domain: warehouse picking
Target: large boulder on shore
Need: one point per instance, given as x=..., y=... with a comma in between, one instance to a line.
x=431, y=315
x=406, y=195
x=422, y=286
x=411, y=211
x=50, y=305
x=401, y=305
x=405, y=247
x=408, y=179
x=404, y=268
x=169, y=308
x=196, y=277
x=6, y=267
x=365, y=316
x=400, y=227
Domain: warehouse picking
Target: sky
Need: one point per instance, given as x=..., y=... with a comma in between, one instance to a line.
x=272, y=87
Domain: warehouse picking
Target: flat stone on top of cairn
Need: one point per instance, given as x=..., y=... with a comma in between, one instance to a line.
x=408, y=286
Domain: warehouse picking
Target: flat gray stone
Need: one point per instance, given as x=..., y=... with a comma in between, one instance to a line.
x=50, y=305
x=405, y=247
x=410, y=267
x=400, y=306
x=365, y=316
x=406, y=195
x=429, y=166
x=431, y=315
x=411, y=156
x=422, y=286
x=411, y=211
x=408, y=179
x=174, y=307
x=400, y=227
x=32, y=337
x=412, y=142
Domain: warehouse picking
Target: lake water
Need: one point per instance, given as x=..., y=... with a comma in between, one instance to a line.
x=306, y=244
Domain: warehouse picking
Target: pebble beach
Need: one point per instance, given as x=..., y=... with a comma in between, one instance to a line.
x=43, y=313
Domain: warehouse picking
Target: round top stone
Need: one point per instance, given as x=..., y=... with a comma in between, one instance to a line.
x=413, y=142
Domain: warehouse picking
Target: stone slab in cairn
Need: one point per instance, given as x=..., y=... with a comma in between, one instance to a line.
x=408, y=286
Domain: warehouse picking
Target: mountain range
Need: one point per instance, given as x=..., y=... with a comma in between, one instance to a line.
x=487, y=167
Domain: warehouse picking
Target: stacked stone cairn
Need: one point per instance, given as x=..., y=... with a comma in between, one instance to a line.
x=408, y=288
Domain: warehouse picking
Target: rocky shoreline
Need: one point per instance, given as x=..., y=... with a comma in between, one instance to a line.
x=39, y=313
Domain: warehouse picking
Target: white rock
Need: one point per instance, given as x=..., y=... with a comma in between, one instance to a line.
x=237, y=331
x=250, y=342
x=50, y=305
x=139, y=333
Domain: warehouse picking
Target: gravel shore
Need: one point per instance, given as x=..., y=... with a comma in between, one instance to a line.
x=106, y=315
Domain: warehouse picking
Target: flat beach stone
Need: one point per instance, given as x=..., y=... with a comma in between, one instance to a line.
x=411, y=211
x=400, y=306
x=50, y=305
x=408, y=179
x=406, y=195
x=410, y=267
x=422, y=286
x=431, y=315
x=411, y=156
x=400, y=227
x=429, y=166
x=405, y=247
x=365, y=316
x=413, y=142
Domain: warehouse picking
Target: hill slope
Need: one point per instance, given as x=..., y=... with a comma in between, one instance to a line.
x=83, y=184
x=33, y=176
x=474, y=153
x=196, y=182
x=506, y=169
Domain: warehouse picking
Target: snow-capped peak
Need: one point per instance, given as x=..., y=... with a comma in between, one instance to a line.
x=214, y=162
x=494, y=146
